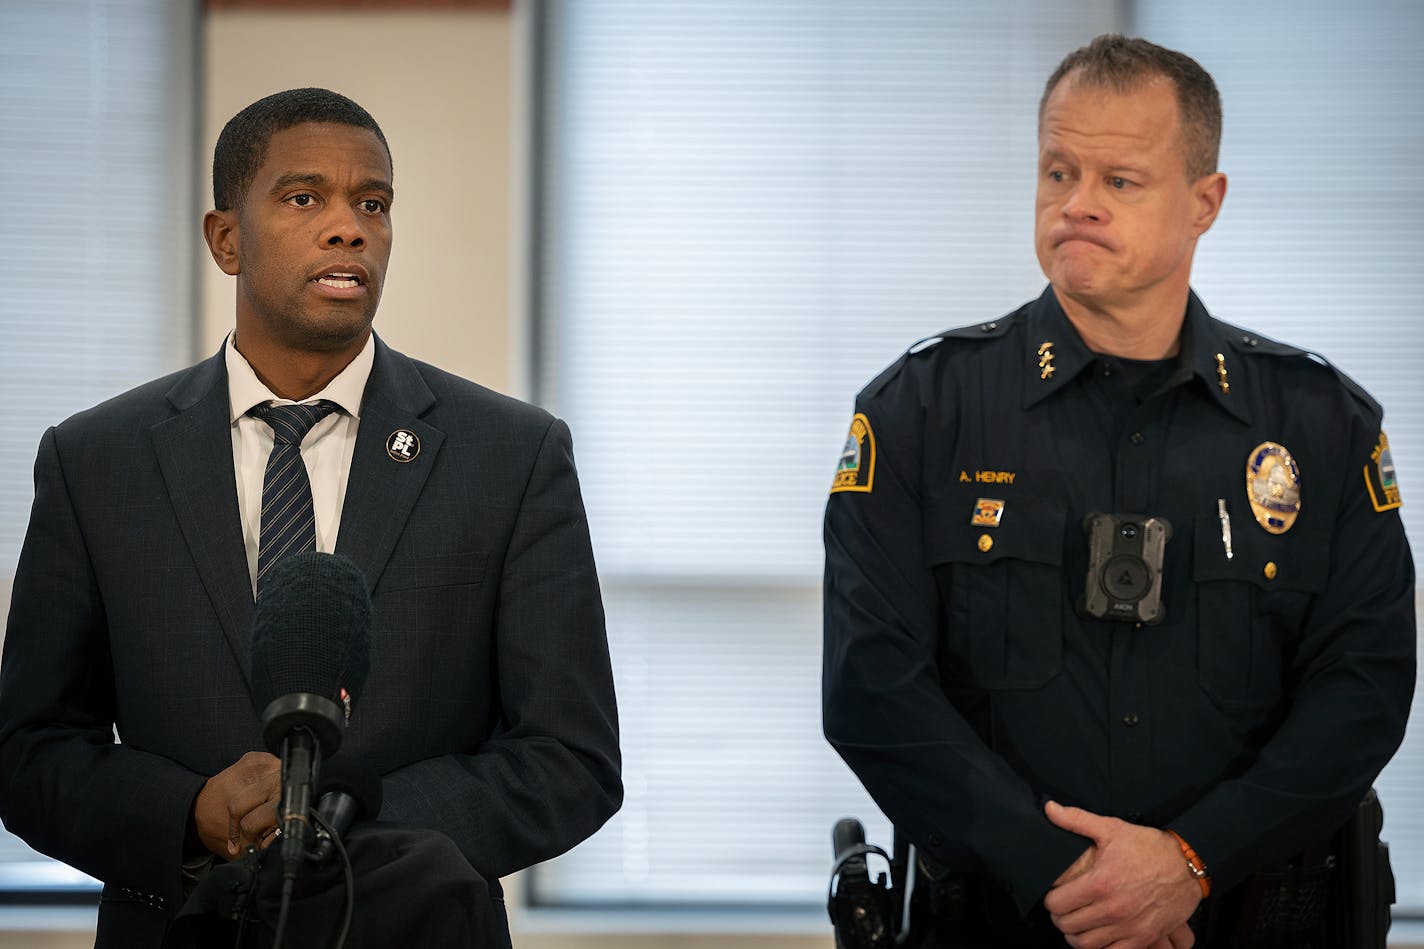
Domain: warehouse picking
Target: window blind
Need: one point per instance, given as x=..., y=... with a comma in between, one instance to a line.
x=96, y=241
x=1321, y=237
x=748, y=210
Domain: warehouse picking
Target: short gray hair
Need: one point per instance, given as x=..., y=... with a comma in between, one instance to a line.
x=1122, y=63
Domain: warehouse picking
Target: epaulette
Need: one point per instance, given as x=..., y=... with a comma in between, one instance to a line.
x=1254, y=344
x=989, y=330
x=1249, y=343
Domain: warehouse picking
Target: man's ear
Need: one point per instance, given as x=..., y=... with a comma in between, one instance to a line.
x=221, y=232
x=1209, y=191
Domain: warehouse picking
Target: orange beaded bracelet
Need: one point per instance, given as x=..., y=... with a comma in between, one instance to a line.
x=1194, y=864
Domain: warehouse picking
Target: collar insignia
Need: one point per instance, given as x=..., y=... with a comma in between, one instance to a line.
x=1045, y=360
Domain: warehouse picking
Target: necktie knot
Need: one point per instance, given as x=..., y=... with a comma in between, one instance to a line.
x=291, y=423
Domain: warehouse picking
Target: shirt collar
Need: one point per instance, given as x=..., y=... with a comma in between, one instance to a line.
x=1056, y=353
x=1203, y=341
x=245, y=390
x=1054, y=344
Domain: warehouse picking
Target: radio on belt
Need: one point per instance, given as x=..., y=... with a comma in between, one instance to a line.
x=1125, y=567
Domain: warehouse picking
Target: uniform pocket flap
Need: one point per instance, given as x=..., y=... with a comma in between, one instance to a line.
x=1299, y=559
x=1030, y=528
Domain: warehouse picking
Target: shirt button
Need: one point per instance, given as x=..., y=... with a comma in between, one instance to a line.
x=1130, y=719
x=1137, y=438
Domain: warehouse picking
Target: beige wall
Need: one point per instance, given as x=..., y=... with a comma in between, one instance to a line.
x=439, y=83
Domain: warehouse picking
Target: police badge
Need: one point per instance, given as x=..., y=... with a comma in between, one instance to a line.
x=1273, y=487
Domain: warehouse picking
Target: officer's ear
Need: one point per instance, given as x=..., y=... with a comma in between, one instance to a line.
x=1208, y=192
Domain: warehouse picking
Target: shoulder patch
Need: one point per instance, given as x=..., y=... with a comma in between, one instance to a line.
x=1380, y=479
x=856, y=469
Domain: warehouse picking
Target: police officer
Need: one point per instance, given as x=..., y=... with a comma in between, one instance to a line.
x=1118, y=604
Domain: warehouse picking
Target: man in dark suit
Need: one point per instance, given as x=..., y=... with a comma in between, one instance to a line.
x=489, y=711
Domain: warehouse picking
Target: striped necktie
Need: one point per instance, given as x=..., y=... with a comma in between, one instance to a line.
x=288, y=523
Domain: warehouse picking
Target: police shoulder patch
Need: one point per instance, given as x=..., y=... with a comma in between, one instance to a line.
x=1379, y=477
x=856, y=469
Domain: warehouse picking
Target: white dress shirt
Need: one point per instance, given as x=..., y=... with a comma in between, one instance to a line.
x=327, y=449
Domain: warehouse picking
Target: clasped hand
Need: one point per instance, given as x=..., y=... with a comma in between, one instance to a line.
x=1131, y=889
x=238, y=805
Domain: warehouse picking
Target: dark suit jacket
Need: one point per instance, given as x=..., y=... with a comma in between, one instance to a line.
x=489, y=709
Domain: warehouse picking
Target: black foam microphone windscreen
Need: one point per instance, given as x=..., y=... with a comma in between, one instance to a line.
x=312, y=630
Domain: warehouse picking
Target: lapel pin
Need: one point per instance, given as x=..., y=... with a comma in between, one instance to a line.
x=988, y=512
x=402, y=446
x=1221, y=374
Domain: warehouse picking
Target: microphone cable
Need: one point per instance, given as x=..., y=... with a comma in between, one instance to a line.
x=349, y=874
x=289, y=882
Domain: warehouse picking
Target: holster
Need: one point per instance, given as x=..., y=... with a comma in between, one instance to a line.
x=1365, y=889
x=1278, y=907
x=1334, y=895
x=967, y=908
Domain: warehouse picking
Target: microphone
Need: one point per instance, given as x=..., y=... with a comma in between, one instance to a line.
x=311, y=645
x=349, y=790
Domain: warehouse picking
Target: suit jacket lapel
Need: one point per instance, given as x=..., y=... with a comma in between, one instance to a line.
x=381, y=491
x=194, y=450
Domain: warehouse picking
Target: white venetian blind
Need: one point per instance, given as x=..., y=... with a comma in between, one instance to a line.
x=1321, y=239
x=96, y=237
x=747, y=210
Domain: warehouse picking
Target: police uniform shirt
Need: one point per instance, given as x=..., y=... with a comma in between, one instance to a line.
x=965, y=688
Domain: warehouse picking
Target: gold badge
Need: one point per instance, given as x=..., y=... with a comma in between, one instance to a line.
x=1273, y=487
x=988, y=512
x=1379, y=477
x=856, y=469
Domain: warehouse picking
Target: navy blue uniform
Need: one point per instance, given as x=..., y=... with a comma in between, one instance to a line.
x=962, y=683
